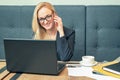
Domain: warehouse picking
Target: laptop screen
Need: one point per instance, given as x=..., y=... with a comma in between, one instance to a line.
x=33, y=56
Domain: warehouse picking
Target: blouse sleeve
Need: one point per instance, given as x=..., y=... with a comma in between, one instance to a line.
x=65, y=46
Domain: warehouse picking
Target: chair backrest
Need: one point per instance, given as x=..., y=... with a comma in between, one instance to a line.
x=103, y=32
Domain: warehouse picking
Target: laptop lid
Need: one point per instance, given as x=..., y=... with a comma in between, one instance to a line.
x=31, y=56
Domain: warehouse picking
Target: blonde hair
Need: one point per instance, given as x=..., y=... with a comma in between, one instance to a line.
x=38, y=30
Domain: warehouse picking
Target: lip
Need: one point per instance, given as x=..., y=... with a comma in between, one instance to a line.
x=47, y=26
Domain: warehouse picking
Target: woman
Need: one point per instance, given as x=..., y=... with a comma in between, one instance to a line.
x=47, y=25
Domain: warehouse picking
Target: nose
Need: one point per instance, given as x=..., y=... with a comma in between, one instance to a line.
x=45, y=21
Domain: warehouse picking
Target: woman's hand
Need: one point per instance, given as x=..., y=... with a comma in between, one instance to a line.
x=59, y=25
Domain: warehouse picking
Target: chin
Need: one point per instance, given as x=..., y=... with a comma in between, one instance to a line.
x=48, y=27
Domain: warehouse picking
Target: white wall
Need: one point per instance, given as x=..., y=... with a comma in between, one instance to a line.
x=61, y=2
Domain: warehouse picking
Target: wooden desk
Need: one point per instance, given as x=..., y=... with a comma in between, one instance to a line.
x=3, y=71
x=62, y=76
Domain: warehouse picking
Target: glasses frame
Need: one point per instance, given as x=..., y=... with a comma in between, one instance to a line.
x=47, y=18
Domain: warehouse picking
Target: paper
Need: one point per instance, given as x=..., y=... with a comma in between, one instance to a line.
x=87, y=71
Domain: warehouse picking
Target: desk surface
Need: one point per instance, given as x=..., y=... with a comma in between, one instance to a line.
x=3, y=71
x=5, y=75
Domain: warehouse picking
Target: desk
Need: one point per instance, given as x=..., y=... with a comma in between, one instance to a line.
x=5, y=75
x=3, y=71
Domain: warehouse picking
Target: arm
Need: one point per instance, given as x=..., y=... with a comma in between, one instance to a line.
x=65, y=40
x=65, y=46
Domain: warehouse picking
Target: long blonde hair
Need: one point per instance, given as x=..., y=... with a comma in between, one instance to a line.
x=39, y=31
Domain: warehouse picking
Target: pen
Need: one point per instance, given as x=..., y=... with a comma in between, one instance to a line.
x=72, y=66
x=94, y=72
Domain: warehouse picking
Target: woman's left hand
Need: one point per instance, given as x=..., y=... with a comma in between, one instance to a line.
x=59, y=25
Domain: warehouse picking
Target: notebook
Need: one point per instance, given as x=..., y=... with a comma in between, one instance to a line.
x=32, y=56
x=114, y=68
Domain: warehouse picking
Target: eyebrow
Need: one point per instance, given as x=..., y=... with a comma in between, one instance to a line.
x=46, y=16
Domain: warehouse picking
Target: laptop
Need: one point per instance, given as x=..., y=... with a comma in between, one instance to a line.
x=32, y=56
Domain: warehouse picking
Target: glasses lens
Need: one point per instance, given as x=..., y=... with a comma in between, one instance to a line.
x=48, y=17
x=41, y=20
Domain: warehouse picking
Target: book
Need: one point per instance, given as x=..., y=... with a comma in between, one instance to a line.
x=114, y=68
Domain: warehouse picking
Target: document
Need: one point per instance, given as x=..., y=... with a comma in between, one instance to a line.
x=88, y=71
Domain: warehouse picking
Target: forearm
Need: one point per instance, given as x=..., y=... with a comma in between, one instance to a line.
x=66, y=47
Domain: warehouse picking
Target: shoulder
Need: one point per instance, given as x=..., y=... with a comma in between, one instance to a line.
x=68, y=31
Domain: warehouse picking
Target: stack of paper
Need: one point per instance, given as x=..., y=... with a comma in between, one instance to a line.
x=88, y=71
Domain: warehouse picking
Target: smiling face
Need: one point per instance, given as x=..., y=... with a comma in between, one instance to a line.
x=46, y=18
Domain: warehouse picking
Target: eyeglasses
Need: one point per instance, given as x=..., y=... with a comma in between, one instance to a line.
x=48, y=18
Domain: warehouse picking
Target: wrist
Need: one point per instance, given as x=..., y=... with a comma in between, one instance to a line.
x=61, y=33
